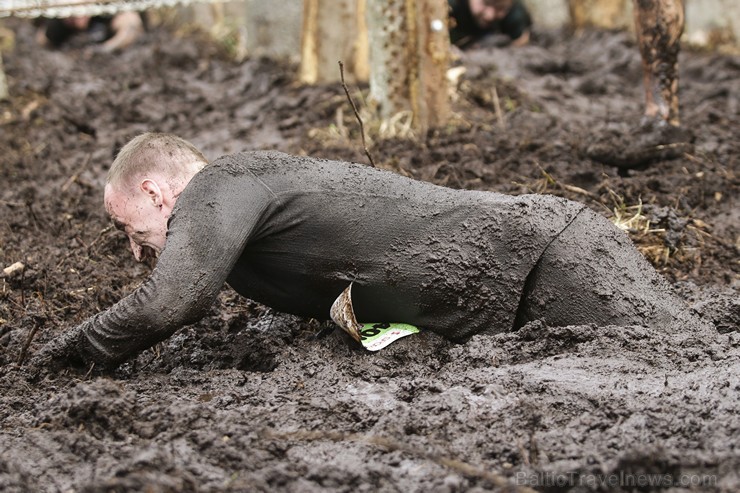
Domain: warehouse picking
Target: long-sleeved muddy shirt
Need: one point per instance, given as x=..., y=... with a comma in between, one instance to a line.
x=293, y=232
x=465, y=30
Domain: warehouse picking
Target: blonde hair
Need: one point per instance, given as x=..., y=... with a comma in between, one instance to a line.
x=155, y=151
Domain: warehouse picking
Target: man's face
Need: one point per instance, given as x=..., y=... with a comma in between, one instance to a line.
x=141, y=216
x=486, y=12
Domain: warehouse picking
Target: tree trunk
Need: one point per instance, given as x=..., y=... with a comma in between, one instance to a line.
x=409, y=52
x=333, y=30
x=604, y=14
x=3, y=81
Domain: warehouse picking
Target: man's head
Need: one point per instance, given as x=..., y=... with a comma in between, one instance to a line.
x=143, y=184
x=486, y=12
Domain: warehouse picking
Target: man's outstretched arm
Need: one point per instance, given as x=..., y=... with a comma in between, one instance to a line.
x=129, y=326
x=207, y=233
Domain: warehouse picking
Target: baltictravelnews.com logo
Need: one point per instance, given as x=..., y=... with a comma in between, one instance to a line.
x=619, y=479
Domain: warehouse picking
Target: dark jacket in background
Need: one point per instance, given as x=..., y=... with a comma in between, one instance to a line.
x=465, y=31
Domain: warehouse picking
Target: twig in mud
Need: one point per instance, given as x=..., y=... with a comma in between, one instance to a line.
x=357, y=113
x=23, y=289
x=77, y=237
x=88, y=248
x=542, y=185
x=696, y=225
x=76, y=174
x=392, y=445
x=497, y=107
x=29, y=339
x=11, y=204
x=100, y=235
x=578, y=190
x=564, y=186
x=89, y=372
x=341, y=129
x=532, y=456
x=36, y=221
x=397, y=126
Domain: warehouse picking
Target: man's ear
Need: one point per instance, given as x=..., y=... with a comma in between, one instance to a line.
x=151, y=188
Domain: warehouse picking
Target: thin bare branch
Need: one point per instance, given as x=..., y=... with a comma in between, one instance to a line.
x=357, y=114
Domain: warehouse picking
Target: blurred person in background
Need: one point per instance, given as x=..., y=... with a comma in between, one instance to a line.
x=109, y=33
x=489, y=23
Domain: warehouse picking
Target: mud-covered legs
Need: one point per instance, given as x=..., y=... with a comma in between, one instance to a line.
x=659, y=25
x=593, y=274
x=658, y=137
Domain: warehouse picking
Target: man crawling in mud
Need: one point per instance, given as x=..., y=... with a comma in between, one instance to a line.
x=483, y=23
x=294, y=232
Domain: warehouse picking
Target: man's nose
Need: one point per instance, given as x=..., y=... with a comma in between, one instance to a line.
x=489, y=14
x=136, y=249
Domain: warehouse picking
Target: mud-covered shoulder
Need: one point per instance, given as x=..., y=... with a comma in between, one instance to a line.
x=262, y=162
x=281, y=172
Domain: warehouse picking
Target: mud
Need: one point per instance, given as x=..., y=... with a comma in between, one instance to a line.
x=252, y=400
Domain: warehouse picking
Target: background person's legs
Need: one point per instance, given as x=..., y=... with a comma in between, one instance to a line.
x=592, y=273
x=659, y=24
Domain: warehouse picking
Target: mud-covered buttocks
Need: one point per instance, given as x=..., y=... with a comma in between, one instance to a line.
x=591, y=273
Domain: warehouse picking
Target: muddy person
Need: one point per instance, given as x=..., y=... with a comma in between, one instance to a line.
x=659, y=25
x=488, y=23
x=108, y=33
x=294, y=232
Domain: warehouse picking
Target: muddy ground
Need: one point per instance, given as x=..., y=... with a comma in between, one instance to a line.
x=253, y=400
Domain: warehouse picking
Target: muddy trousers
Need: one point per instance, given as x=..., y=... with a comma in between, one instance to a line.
x=591, y=273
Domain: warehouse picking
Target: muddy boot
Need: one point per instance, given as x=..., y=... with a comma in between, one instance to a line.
x=652, y=141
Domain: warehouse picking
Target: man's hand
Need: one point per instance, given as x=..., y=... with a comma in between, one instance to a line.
x=56, y=355
x=127, y=27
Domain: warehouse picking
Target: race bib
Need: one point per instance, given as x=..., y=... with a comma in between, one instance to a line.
x=372, y=336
